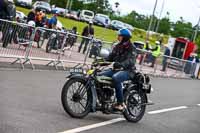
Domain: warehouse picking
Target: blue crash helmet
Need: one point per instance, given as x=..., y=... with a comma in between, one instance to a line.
x=125, y=33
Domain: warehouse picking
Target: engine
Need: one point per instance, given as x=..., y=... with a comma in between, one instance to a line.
x=106, y=93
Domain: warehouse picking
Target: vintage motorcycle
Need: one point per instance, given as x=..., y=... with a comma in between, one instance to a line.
x=86, y=92
x=95, y=48
x=55, y=41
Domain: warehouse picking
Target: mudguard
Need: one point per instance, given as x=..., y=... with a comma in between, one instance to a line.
x=135, y=87
x=93, y=88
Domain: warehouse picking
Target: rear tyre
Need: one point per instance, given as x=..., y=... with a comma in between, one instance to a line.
x=134, y=101
x=76, y=98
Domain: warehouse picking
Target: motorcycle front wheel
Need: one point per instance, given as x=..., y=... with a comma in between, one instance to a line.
x=76, y=98
x=135, y=105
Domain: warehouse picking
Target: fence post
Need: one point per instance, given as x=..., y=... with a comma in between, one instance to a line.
x=88, y=50
x=28, y=50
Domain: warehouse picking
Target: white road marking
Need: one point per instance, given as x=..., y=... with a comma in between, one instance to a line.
x=80, y=129
x=166, y=110
x=88, y=127
x=198, y=104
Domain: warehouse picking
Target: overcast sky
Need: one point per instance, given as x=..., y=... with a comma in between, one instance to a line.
x=188, y=9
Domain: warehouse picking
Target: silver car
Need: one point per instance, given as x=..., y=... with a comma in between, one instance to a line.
x=101, y=20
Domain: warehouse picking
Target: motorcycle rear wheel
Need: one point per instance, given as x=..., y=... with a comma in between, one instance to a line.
x=76, y=100
x=135, y=102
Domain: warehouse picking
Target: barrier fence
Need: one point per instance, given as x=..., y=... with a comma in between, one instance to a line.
x=38, y=45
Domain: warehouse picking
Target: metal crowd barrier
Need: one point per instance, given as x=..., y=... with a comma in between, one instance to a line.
x=166, y=66
x=14, y=41
x=35, y=45
x=29, y=44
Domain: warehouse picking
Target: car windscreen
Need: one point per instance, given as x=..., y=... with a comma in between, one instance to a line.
x=74, y=13
x=43, y=4
x=88, y=13
x=119, y=23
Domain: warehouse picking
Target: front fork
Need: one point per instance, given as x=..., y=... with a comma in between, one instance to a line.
x=90, y=85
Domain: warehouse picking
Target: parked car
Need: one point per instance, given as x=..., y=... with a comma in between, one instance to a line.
x=20, y=17
x=72, y=15
x=128, y=26
x=24, y=3
x=138, y=44
x=101, y=20
x=43, y=6
x=86, y=15
x=60, y=11
x=116, y=25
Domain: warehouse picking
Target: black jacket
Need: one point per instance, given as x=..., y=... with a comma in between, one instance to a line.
x=125, y=54
x=88, y=31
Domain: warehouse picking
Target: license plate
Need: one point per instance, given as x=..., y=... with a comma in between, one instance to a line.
x=76, y=70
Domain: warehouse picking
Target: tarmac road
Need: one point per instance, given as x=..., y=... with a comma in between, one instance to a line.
x=30, y=103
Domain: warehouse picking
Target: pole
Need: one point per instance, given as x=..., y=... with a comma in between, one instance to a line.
x=67, y=6
x=163, y=4
x=196, y=31
x=151, y=21
x=70, y=5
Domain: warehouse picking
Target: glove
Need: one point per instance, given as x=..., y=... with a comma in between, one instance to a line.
x=117, y=65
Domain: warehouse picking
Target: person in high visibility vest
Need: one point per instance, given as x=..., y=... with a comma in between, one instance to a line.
x=155, y=53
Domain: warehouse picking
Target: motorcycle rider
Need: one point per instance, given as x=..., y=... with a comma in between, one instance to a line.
x=123, y=56
x=52, y=23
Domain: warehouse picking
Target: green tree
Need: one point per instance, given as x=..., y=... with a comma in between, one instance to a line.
x=164, y=26
x=182, y=29
x=99, y=6
x=59, y=3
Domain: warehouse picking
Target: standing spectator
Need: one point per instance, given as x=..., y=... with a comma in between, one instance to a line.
x=87, y=32
x=165, y=59
x=191, y=65
x=155, y=53
x=53, y=21
x=44, y=18
x=38, y=18
x=31, y=16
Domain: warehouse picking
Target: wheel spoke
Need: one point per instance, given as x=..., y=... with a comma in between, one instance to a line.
x=76, y=90
x=81, y=105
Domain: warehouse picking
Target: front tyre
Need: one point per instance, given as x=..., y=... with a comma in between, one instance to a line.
x=135, y=102
x=76, y=98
